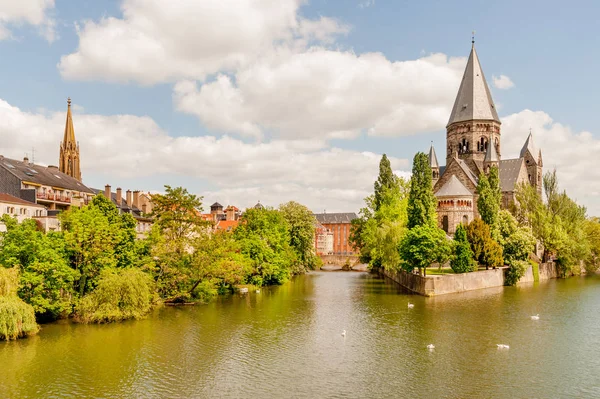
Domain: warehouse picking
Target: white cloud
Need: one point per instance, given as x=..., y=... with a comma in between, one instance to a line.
x=323, y=93
x=502, y=82
x=366, y=3
x=573, y=154
x=32, y=12
x=127, y=147
x=158, y=41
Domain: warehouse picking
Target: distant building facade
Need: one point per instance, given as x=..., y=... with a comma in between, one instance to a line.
x=20, y=209
x=323, y=240
x=339, y=225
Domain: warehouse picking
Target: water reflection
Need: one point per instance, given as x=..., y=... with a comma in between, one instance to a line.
x=286, y=342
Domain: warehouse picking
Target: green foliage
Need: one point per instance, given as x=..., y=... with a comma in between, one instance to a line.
x=421, y=202
x=486, y=251
x=517, y=241
x=17, y=319
x=263, y=235
x=121, y=294
x=9, y=281
x=422, y=246
x=535, y=268
x=490, y=196
x=46, y=279
x=559, y=224
x=385, y=182
x=462, y=262
x=301, y=222
x=515, y=271
x=592, y=233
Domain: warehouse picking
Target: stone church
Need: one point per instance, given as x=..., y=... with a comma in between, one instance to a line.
x=473, y=146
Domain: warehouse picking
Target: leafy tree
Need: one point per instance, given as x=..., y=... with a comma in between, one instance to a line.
x=517, y=241
x=423, y=245
x=421, y=202
x=462, y=262
x=384, y=182
x=121, y=294
x=264, y=237
x=516, y=270
x=592, y=232
x=301, y=222
x=90, y=241
x=17, y=319
x=488, y=202
x=486, y=251
x=46, y=279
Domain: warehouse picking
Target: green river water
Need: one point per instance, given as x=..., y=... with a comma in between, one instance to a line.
x=286, y=342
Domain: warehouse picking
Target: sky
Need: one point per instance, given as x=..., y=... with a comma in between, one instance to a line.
x=243, y=101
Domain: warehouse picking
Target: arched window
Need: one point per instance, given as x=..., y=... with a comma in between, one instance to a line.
x=465, y=220
x=445, y=223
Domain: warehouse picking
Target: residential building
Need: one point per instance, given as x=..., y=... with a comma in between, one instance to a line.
x=20, y=209
x=323, y=240
x=339, y=225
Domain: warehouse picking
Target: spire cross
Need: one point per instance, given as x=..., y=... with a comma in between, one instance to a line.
x=69, y=101
x=473, y=37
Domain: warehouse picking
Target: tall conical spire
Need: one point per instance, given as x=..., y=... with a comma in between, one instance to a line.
x=473, y=100
x=433, y=162
x=529, y=146
x=491, y=155
x=69, y=149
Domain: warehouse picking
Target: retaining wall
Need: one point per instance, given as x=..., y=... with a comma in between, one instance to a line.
x=340, y=260
x=454, y=283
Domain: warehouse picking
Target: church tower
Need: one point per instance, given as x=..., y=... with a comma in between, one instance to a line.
x=474, y=122
x=433, y=164
x=533, y=163
x=69, y=149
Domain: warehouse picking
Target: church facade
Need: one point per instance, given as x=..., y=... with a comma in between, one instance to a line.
x=473, y=147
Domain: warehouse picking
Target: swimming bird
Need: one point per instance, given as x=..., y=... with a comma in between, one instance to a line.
x=411, y=305
x=536, y=317
x=431, y=346
x=258, y=291
x=503, y=346
x=344, y=333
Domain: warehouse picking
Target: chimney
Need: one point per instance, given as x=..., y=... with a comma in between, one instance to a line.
x=107, y=192
x=26, y=160
x=119, y=196
x=230, y=213
x=129, y=202
x=136, y=198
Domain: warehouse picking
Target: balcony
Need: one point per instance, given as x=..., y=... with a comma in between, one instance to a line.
x=53, y=197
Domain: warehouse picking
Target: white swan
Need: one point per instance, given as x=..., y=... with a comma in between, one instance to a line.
x=503, y=346
x=536, y=317
x=258, y=291
x=431, y=346
x=411, y=305
x=344, y=333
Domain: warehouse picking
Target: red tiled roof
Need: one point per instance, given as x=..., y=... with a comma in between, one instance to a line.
x=14, y=200
x=227, y=225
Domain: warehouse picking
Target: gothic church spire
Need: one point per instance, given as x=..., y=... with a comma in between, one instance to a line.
x=69, y=148
x=473, y=101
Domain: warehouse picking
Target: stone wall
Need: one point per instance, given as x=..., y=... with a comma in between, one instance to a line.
x=454, y=283
x=340, y=260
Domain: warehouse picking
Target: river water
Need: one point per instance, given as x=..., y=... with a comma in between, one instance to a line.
x=286, y=342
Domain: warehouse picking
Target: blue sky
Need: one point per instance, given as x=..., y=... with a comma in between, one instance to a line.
x=544, y=47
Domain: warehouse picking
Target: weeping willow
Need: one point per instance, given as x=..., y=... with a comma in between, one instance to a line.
x=17, y=319
x=9, y=281
x=120, y=295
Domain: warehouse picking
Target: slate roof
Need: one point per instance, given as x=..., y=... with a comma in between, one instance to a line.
x=334, y=218
x=467, y=170
x=529, y=146
x=10, y=199
x=259, y=206
x=45, y=175
x=491, y=155
x=508, y=170
x=216, y=205
x=433, y=162
x=473, y=100
x=453, y=188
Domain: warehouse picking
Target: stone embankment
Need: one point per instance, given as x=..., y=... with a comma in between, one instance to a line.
x=454, y=283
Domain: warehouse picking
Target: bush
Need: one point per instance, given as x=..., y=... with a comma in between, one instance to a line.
x=17, y=319
x=486, y=251
x=462, y=261
x=9, y=281
x=515, y=271
x=119, y=295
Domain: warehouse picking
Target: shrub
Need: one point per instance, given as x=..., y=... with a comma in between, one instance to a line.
x=515, y=271
x=120, y=295
x=17, y=319
x=462, y=261
x=9, y=281
x=486, y=251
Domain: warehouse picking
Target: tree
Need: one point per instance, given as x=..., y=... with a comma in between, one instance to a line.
x=45, y=277
x=462, y=261
x=421, y=202
x=301, y=222
x=592, y=232
x=488, y=202
x=263, y=235
x=90, y=241
x=486, y=251
x=423, y=245
x=384, y=182
x=17, y=319
x=517, y=241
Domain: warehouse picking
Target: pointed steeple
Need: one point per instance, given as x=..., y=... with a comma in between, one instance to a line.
x=473, y=100
x=491, y=155
x=69, y=149
x=529, y=146
x=69, y=130
x=433, y=162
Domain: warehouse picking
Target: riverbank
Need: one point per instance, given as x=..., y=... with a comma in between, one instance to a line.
x=455, y=283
